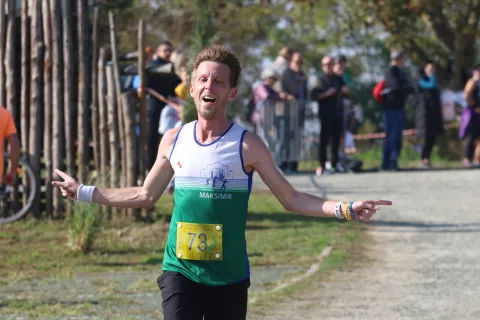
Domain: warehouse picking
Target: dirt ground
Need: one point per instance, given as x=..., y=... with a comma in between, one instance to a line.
x=421, y=262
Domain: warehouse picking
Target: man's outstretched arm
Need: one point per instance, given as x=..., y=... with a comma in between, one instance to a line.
x=258, y=157
x=132, y=197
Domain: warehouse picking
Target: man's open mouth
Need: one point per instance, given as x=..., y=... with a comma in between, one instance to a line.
x=209, y=99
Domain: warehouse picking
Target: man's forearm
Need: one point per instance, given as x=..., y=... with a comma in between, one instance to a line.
x=134, y=197
x=309, y=205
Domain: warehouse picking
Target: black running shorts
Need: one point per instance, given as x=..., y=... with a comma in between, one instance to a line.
x=184, y=299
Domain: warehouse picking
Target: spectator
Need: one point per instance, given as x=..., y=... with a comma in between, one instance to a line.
x=470, y=119
x=161, y=78
x=329, y=94
x=347, y=105
x=429, y=111
x=294, y=83
x=281, y=64
x=264, y=91
x=394, y=110
x=179, y=59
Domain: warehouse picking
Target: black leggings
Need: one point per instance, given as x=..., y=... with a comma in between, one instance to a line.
x=184, y=299
x=331, y=130
x=428, y=143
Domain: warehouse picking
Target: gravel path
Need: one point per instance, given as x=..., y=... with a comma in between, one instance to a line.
x=424, y=262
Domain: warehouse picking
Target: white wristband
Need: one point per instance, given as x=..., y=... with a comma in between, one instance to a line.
x=85, y=193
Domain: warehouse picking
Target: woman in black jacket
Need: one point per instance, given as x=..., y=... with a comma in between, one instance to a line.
x=429, y=117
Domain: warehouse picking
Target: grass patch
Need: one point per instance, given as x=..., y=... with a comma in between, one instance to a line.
x=372, y=159
x=38, y=309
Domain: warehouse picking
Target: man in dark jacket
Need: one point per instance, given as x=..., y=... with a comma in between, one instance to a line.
x=161, y=78
x=398, y=88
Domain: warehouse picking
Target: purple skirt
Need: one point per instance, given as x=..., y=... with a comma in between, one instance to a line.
x=465, y=119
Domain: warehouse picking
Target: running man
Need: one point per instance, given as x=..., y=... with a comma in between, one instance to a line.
x=197, y=283
x=8, y=132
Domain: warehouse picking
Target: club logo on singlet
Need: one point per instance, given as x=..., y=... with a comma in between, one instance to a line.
x=217, y=177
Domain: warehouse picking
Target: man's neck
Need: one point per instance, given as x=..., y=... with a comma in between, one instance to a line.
x=209, y=130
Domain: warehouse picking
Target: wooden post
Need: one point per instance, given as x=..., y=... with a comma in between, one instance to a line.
x=25, y=76
x=142, y=97
x=142, y=107
x=95, y=101
x=102, y=113
x=113, y=131
x=57, y=89
x=129, y=111
x=102, y=127
x=47, y=95
x=68, y=78
x=10, y=61
x=118, y=89
x=83, y=135
x=36, y=96
x=2, y=53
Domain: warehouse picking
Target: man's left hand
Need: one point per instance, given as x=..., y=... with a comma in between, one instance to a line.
x=365, y=209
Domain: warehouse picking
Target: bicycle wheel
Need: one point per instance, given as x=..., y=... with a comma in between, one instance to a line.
x=17, y=200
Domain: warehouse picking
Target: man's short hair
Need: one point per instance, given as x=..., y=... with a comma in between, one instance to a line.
x=285, y=52
x=397, y=54
x=165, y=43
x=341, y=58
x=219, y=54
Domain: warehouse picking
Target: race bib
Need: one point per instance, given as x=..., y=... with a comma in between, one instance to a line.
x=199, y=241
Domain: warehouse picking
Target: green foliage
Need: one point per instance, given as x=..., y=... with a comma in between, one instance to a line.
x=86, y=224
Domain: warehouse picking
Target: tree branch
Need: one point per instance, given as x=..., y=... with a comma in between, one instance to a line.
x=441, y=26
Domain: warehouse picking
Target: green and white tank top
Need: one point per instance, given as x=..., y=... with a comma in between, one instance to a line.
x=211, y=187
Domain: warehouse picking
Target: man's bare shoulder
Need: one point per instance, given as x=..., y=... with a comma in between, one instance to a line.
x=252, y=140
x=254, y=148
x=171, y=135
x=168, y=140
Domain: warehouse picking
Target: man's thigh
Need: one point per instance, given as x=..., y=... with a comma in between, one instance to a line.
x=227, y=302
x=180, y=297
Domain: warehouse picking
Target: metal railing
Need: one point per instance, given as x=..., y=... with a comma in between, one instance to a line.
x=281, y=125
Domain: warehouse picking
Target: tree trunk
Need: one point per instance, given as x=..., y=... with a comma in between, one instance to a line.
x=37, y=97
x=57, y=89
x=113, y=130
x=25, y=93
x=10, y=61
x=68, y=78
x=47, y=95
x=130, y=143
x=95, y=104
x=116, y=74
x=2, y=52
x=83, y=134
x=102, y=119
x=142, y=106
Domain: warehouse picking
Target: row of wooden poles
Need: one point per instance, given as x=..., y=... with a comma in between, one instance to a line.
x=52, y=70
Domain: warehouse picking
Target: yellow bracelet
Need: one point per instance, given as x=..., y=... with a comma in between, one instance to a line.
x=347, y=212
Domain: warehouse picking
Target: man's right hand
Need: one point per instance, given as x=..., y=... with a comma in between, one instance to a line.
x=330, y=92
x=10, y=177
x=68, y=187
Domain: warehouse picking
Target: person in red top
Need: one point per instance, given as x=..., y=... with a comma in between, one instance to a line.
x=8, y=132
